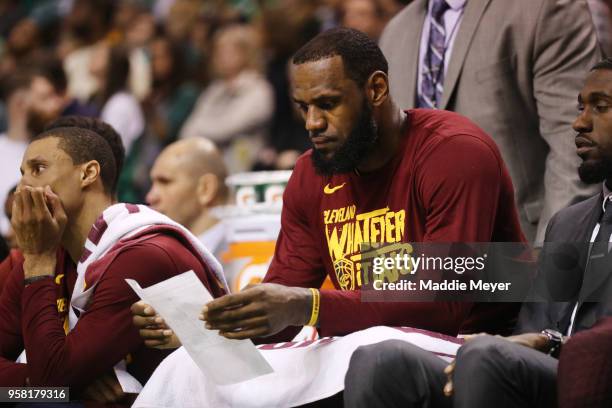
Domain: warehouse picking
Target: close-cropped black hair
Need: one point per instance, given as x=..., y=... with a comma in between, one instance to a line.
x=83, y=145
x=360, y=55
x=101, y=128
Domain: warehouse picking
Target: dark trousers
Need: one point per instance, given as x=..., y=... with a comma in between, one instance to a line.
x=490, y=372
x=493, y=372
x=394, y=373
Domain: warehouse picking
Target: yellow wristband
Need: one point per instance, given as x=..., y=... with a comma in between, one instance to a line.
x=316, y=301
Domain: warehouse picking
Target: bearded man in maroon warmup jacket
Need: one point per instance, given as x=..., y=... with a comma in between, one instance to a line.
x=375, y=174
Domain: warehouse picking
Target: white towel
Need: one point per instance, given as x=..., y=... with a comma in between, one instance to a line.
x=120, y=222
x=304, y=372
x=117, y=223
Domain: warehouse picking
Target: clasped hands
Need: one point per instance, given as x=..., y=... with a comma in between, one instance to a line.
x=536, y=341
x=39, y=220
x=257, y=311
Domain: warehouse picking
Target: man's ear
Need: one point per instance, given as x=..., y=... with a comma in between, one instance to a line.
x=377, y=88
x=207, y=189
x=90, y=172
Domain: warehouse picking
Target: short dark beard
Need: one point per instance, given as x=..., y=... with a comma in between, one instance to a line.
x=595, y=171
x=353, y=151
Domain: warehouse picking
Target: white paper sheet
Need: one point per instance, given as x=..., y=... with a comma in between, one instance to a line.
x=179, y=300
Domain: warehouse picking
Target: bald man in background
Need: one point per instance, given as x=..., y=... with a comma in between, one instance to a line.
x=188, y=179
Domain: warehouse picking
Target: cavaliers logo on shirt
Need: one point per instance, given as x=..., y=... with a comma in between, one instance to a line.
x=345, y=231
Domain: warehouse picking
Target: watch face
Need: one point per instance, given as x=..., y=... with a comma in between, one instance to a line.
x=553, y=335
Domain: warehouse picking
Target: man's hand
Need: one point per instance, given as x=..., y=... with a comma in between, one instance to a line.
x=259, y=311
x=152, y=328
x=38, y=220
x=104, y=390
x=448, y=387
x=536, y=341
x=450, y=369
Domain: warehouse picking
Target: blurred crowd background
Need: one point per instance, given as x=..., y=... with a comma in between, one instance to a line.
x=161, y=70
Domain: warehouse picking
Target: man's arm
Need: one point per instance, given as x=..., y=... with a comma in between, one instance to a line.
x=11, y=342
x=104, y=334
x=565, y=49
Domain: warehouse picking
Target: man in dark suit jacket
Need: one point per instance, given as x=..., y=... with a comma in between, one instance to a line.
x=574, y=290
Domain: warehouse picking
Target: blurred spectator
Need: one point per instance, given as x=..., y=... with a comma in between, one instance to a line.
x=118, y=107
x=166, y=108
x=134, y=28
x=601, y=11
x=173, y=96
x=22, y=43
x=140, y=30
x=48, y=96
x=188, y=178
x=46, y=104
x=199, y=49
x=125, y=15
x=235, y=109
x=190, y=25
x=182, y=16
x=367, y=16
x=50, y=84
x=13, y=143
x=285, y=28
x=11, y=12
x=161, y=9
x=87, y=23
